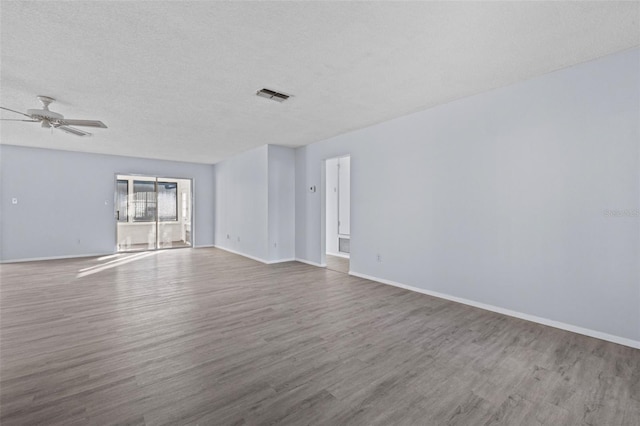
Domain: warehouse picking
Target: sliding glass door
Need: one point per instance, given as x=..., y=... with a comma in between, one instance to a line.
x=152, y=212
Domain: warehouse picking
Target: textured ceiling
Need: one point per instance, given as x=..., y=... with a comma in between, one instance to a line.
x=176, y=80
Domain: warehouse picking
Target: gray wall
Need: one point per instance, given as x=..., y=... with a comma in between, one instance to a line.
x=500, y=198
x=282, y=204
x=65, y=200
x=241, y=217
x=255, y=204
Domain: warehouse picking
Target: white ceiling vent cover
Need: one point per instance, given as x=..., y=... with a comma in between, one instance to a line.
x=273, y=95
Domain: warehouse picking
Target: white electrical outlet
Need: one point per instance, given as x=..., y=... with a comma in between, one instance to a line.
x=14, y=201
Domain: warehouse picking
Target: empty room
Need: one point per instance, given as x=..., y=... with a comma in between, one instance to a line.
x=320, y=213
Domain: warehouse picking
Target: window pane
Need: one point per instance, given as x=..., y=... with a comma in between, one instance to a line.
x=121, y=200
x=144, y=201
x=168, y=201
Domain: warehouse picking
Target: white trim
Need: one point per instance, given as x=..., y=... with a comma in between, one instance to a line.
x=71, y=256
x=308, y=262
x=271, y=262
x=544, y=321
x=343, y=255
x=241, y=254
x=266, y=262
x=205, y=246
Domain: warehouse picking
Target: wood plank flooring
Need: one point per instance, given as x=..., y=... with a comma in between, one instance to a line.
x=336, y=263
x=205, y=337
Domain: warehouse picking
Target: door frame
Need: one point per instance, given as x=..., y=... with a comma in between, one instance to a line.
x=157, y=178
x=323, y=206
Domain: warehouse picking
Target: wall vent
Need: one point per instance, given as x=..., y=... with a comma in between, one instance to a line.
x=344, y=245
x=273, y=95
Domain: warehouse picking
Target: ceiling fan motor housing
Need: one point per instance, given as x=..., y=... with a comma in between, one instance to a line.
x=44, y=114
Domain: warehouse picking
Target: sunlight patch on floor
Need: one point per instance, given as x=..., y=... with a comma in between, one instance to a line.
x=114, y=263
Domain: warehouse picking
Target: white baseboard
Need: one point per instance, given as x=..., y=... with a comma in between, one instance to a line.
x=78, y=256
x=259, y=259
x=345, y=256
x=241, y=254
x=544, y=321
x=71, y=256
x=308, y=262
x=271, y=262
x=205, y=246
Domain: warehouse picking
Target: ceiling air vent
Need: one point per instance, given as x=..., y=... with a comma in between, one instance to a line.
x=273, y=95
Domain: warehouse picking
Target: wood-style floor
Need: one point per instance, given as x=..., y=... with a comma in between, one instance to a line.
x=336, y=263
x=207, y=337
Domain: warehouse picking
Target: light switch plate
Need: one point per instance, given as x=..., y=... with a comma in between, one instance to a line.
x=14, y=201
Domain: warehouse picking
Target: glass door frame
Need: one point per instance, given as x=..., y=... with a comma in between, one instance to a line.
x=156, y=179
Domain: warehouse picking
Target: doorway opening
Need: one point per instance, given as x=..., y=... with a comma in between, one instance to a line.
x=152, y=213
x=338, y=213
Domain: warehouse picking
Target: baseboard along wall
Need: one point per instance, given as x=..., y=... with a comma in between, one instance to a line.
x=544, y=321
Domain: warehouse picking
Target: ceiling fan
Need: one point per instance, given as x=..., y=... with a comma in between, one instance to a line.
x=50, y=119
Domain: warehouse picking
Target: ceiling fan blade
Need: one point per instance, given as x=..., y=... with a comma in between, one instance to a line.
x=85, y=123
x=17, y=112
x=73, y=131
x=17, y=119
